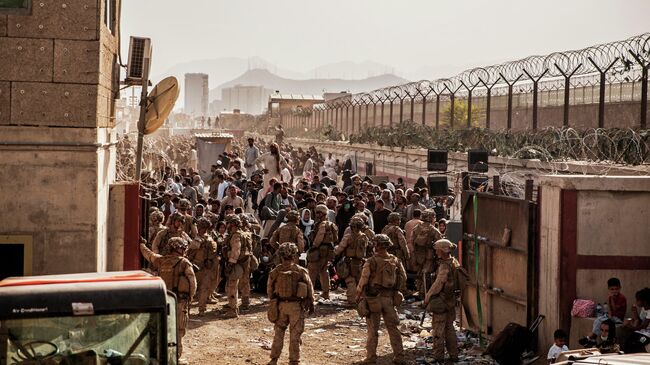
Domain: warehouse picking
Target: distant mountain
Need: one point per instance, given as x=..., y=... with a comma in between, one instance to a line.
x=350, y=70
x=221, y=70
x=262, y=77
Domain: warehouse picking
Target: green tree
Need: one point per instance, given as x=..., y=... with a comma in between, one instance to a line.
x=460, y=115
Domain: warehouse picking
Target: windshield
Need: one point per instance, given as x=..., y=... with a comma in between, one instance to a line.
x=81, y=340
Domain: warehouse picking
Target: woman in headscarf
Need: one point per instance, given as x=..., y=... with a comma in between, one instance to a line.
x=273, y=164
x=387, y=197
x=305, y=225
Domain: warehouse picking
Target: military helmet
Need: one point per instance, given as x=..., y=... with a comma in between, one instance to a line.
x=394, y=217
x=213, y=218
x=363, y=217
x=321, y=208
x=428, y=215
x=177, y=243
x=382, y=240
x=244, y=219
x=184, y=204
x=233, y=219
x=444, y=245
x=177, y=216
x=157, y=216
x=357, y=222
x=203, y=223
x=293, y=216
x=288, y=250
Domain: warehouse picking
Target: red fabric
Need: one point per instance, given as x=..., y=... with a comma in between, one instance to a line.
x=618, y=306
x=583, y=308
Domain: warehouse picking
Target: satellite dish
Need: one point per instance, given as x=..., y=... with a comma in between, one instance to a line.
x=160, y=103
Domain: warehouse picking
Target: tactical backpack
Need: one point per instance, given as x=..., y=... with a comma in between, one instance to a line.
x=169, y=271
x=288, y=283
x=421, y=238
x=331, y=234
x=357, y=247
x=385, y=272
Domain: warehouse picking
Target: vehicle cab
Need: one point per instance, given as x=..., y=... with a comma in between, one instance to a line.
x=126, y=318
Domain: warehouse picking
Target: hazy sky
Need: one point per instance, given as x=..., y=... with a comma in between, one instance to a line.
x=407, y=35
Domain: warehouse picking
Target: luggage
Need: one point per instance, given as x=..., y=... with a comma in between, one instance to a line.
x=512, y=342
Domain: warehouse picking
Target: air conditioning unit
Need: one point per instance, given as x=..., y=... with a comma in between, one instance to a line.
x=139, y=60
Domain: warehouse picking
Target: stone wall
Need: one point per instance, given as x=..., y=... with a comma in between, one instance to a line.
x=57, y=154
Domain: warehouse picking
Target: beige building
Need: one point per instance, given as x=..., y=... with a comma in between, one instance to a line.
x=248, y=99
x=196, y=95
x=58, y=84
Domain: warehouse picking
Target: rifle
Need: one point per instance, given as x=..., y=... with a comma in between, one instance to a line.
x=424, y=286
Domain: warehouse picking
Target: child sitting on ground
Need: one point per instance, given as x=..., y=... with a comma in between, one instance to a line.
x=616, y=308
x=559, y=337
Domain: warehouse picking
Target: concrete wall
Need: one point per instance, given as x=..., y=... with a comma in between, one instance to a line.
x=592, y=228
x=410, y=163
x=57, y=155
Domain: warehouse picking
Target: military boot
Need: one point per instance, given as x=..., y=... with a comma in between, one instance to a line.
x=245, y=303
x=370, y=360
x=231, y=313
x=273, y=362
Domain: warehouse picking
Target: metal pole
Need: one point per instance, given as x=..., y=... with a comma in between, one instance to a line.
x=488, y=106
x=437, y=111
x=644, y=90
x=412, y=105
x=390, y=114
x=469, y=108
x=535, y=91
x=601, y=94
x=510, y=87
x=451, y=109
x=141, y=121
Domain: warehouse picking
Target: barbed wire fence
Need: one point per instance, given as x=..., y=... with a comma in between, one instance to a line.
x=531, y=93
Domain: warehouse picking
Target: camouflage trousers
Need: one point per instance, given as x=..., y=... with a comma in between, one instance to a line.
x=206, y=279
x=237, y=285
x=318, y=270
x=182, y=317
x=444, y=335
x=351, y=281
x=291, y=315
x=383, y=307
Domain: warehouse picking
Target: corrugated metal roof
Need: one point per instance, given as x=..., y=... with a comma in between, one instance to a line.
x=297, y=97
x=214, y=135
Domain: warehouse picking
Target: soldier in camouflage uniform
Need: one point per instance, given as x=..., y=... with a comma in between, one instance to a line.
x=444, y=288
x=289, y=233
x=324, y=237
x=203, y=254
x=396, y=235
x=156, y=220
x=289, y=285
x=424, y=235
x=185, y=208
x=353, y=247
x=237, y=270
x=174, y=229
x=382, y=278
x=178, y=275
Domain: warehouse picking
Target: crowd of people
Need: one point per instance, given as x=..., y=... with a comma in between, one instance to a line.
x=293, y=223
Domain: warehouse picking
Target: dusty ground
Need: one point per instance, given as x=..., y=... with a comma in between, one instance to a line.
x=333, y=335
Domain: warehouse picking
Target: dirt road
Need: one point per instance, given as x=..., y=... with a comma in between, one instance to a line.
x=333, y=335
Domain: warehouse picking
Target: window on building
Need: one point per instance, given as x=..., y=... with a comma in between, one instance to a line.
x=110, y=14
x=14, y=5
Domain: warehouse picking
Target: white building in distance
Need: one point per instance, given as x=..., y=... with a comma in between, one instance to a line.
x=196, y=94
